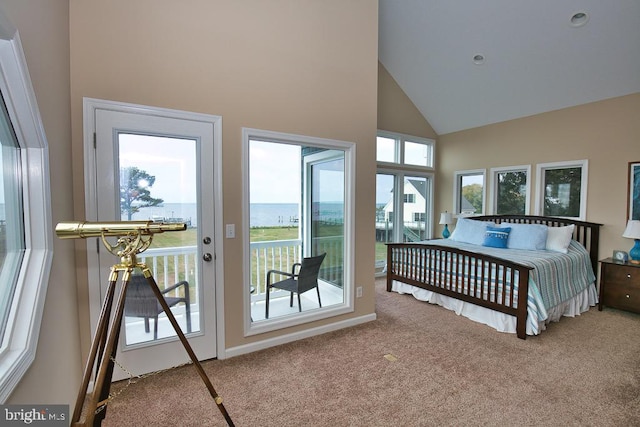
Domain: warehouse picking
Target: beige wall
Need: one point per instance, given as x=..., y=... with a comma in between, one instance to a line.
x=605, y=133
x=43, y=25
x=303, y=67
x=396, y=112
x=293, y=66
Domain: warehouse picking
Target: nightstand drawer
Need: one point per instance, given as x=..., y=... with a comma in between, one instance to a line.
x=622, y=296
x=619, y=285
x=622, y=274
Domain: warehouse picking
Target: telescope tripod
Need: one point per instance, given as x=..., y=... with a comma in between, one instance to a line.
x=104, y=345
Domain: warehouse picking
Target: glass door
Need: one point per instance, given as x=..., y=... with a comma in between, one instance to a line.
x=416, y=199
x=385, y=184
x=327, y=216
x=159, y=169
x=161, y=188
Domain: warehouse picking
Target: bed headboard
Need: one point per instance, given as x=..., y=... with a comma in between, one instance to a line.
x=587, y=233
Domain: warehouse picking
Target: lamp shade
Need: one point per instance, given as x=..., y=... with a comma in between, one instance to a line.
x=633, y=230
x=447, y=218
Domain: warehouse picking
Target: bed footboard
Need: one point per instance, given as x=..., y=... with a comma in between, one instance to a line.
x=479, y=279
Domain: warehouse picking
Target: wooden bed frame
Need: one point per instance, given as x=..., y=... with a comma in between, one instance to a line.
x=424, y=266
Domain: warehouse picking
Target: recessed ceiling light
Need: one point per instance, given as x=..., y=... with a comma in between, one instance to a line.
x=478, y=59
x=578, y=19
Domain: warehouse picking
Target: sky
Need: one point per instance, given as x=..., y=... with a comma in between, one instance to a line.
x=172, y=161
x=275, y=172
x=275, y=175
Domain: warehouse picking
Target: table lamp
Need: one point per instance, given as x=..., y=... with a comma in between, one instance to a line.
x=633, y=232
x=446, y=218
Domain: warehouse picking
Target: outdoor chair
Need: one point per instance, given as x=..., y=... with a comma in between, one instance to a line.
x=142, y=302
x=304, y=280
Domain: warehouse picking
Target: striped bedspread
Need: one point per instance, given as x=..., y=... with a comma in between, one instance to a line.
x=555, y=277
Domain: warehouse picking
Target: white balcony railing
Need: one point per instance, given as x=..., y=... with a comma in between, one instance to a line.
x=282, y=254
x=173, y=264
x=271, y=255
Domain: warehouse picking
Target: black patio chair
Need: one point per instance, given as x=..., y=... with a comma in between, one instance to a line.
x=304, y=280
x=142, y=302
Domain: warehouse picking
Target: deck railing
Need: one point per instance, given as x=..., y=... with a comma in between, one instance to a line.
x=282, y=254
x=173, y=264
x=272, y=255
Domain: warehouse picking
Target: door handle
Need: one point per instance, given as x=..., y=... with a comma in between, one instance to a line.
x=206, y=240
x=207, y=257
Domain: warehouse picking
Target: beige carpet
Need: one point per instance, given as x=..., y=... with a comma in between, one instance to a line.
x=582, y=371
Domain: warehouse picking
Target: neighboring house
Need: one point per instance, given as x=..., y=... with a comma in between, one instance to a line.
x=414, y=210
x=466, y=208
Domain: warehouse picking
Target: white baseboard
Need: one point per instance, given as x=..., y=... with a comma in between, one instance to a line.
x=295, y=336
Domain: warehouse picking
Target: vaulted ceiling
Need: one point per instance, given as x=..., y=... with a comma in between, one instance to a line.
x=534, y=58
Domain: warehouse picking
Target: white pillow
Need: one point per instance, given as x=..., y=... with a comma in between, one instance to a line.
x=558, y=238
x=470, y=231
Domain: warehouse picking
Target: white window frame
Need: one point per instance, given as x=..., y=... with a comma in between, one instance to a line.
x=20, y=340
x=401, y=171
x=457, y=175
x=541, y=168
x=400, y=139
x=493, y=194
x=418, y=216
x=348, y=306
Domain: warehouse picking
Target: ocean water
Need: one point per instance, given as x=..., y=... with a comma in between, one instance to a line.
x=273, y=214
x=176, y=212
x=288, y=214
x=262, y=214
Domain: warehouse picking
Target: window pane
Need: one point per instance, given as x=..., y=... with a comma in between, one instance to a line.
x=417, y=154
x=275, y=207
x=12, y=243
x=327, y=218
x=384, y=217
x=296, y=209
x=386, y=149
x=471, y=191
x=415, y=209
x=511, y=192
x=161, y=187
x=562, y=189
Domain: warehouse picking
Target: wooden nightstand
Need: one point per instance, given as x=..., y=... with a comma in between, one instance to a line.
x=619, y=285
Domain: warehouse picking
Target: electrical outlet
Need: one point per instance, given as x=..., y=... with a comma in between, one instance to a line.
x=358, y=291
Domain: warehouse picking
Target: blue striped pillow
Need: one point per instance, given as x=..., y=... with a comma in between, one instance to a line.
x=496, y=237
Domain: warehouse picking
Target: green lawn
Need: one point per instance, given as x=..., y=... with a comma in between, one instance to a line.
x=173, y=239
x=258, y=234
x=265, y=234
x=261, y=234
x=189, y=237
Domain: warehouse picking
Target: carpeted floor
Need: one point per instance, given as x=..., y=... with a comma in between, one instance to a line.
x=582, y=371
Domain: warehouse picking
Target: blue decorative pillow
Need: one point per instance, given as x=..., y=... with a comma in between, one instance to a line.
x=496, y=237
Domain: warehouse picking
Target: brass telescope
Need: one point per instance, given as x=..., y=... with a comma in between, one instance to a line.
x=82, y=230
x=132, y=238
